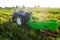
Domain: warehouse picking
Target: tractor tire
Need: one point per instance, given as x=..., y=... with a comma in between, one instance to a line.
x=19, y=20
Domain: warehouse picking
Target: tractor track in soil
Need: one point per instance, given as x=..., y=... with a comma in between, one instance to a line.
x=46, y=33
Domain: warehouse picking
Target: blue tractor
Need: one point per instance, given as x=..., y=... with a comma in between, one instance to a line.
x=20, y=18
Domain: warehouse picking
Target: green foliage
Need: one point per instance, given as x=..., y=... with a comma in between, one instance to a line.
x=11, y=31
x=54, y=10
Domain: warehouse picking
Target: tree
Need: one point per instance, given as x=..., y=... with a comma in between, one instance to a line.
x=6, y=7
x=0, y=7
x=38, y=6
x=16, y=6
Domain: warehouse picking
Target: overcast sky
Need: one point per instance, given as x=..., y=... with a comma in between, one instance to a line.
x=30, y=3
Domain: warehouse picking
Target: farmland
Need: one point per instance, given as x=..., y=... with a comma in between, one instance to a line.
x=11, y=31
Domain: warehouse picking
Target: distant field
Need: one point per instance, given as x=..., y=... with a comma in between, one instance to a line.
x=5, y=14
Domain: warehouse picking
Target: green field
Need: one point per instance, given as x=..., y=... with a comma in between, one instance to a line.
x=11, y=31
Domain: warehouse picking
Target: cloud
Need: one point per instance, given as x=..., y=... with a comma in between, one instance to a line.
x=30, y=3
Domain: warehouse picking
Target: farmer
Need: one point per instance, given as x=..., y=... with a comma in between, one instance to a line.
x=20, y=12
x=24, y=10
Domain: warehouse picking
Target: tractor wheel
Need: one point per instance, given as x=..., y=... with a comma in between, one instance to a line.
x=19, y=20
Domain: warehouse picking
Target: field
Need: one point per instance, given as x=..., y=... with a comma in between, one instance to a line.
x=11, y=31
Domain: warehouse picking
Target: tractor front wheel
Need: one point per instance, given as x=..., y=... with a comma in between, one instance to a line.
x=19, y=21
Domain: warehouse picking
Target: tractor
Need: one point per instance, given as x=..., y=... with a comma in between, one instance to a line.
x=45, y=26
x=20, y=18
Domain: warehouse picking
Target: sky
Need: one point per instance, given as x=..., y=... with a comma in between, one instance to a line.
x=30, y=3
